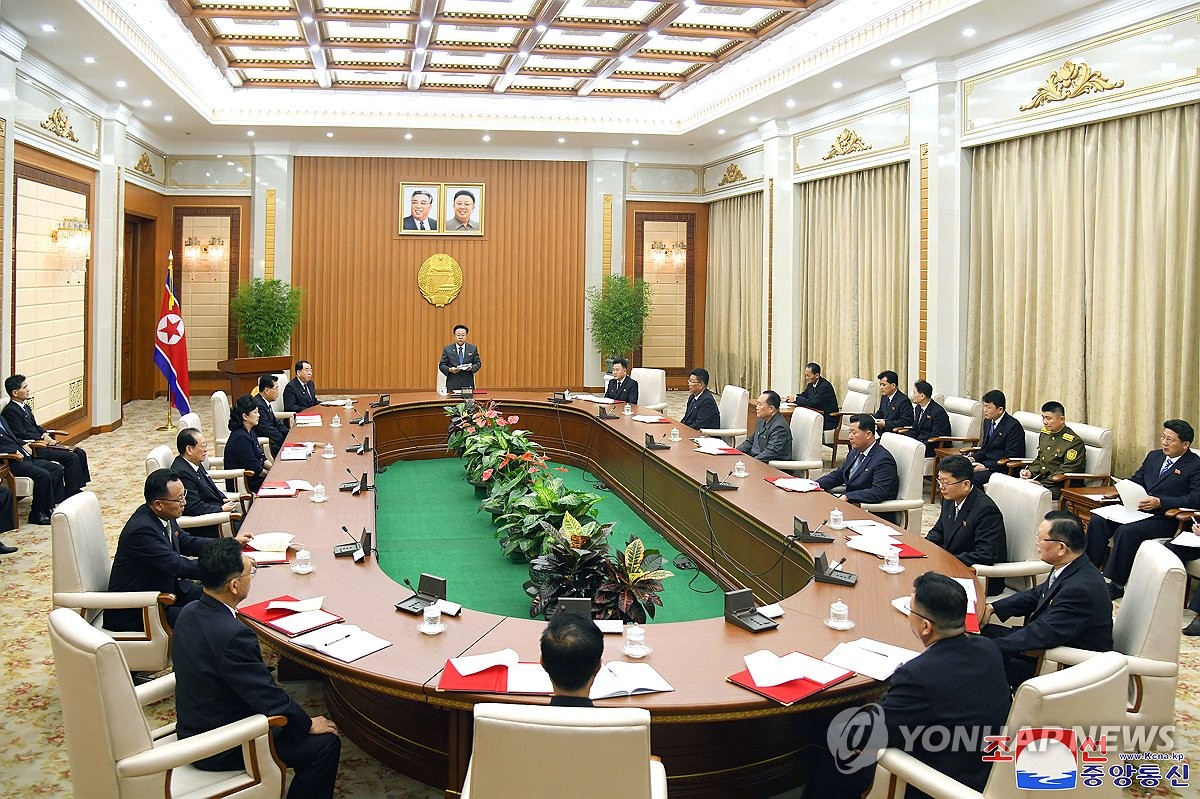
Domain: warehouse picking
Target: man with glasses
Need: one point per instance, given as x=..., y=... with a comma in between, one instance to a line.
x=1070, y=608
x=971, y=527
x=1171, y=477
x=153, y=554
x=203, y=495
x=702, y=412
x=220, y=678
x=869, y=471
x=300, y=393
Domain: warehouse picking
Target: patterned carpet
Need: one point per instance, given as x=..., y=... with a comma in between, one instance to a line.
x=34, y=760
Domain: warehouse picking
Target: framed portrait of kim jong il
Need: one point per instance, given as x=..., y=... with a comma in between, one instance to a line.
x=463, y=209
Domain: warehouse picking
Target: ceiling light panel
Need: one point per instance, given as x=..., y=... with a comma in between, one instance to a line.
x=459, y=81
x=505, y=8
x=240, y=53
x=367, y=77
x=686, y=44
x=342, y=6
x=367, y=30
x=576, y=63
x=744, y=18
x=266, y=5
x=257, y=28
x=289, y=75
x=467, y=60
x=591, y=39
x=610, y=10
x=476, y=34
x=357, y=56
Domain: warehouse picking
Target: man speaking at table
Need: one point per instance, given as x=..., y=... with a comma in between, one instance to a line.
x=460, y=361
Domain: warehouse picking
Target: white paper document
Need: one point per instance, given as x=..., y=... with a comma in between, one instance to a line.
x=709, y=443
x=871, y=527
x=345, y=642
x=869, y=657
x=621, y=678
x=300, y=485
x=800, y=484
x=307, y=420
x=528, y=678
x=608, y=626
x=307, y=620
x=293, y=454
x=768, y=669
x=471, y=664
x=1127, y=511
x=296, y=605
x=872, y=545
x=594, y=398
x=1186, y=539
x=772, y=611
x=642, y=417
x=448, y=607
x=272, y=542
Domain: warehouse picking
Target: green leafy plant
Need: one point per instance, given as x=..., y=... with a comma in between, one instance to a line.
x=497, y=450
x=630, y=592
x=527, y=529
x=618, y=308
x=266, y=313
x=576, y=565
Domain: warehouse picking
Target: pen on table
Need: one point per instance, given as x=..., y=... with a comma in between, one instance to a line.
x=837, y=566
x=872, y=651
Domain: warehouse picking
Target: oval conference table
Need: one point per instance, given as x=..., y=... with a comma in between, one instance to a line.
x=715, y=738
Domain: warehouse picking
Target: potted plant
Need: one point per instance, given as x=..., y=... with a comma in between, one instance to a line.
x=526, y=530
x=266, y=313
x=618, y=310
x=576, y=565
x=630, y=592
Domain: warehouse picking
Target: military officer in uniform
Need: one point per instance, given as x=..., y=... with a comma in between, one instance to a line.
x=1060, y=449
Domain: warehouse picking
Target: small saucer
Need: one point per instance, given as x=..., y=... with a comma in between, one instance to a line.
x=329, y=457
x=302, y=569
x=636, y=651
x=839, y=625
x=891, y=569
x=740, y=476
x=432, y=629
x=326, y=499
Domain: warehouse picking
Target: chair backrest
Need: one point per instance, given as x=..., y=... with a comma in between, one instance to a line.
x=440, y=383
x=910, y=464
x=652, y=385
x=734, y=407
x=80, y=550
x=807, y=430
x=1089, y=695
x=1098, y=443
x=1023, y=504
x=966, y=416
x=277, y=405
x=159, y=458
x=1032, y=424
x=1147, y=623
x=102, y=719
x=188, y=420
x=862, y=396
x=220, y=410
x=605, y=751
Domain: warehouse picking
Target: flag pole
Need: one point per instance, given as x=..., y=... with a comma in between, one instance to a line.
x=167, y=424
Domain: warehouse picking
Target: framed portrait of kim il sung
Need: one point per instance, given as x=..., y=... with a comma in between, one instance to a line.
x=419, y=204
x=463, y=209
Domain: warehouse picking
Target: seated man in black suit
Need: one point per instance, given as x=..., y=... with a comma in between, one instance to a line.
x=153, y=554
x=268, y=426
x=971, y=527
x=1002, y=437
x=1071, y=608
x=202, y=493
x=869, y=471
x=895, y=408
x=819, y=395
x=702, y=412
x=925, y=702
x=1185, y=554
x=571, y=650
x=47, y=476
x=460, y=361
x=622, y=387
x=300, y=393
x=220, y=678
x=929, y=418
x=1171, y=477
x=6, y=518
x=772, y=436
x=20, y=420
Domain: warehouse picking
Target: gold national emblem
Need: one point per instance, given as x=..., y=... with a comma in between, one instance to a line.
x=440, y=279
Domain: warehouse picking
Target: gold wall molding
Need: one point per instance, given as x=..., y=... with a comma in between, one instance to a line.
x=846, y=142
x=606, y=238
x=269, y=235
x=440, y=279
x=59, y=124
x=143, y=165
x=733, y=174
x=1069, y=81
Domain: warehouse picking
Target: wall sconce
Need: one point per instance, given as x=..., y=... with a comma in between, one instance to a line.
x=72, y=246
x=202, y=255
x=674, y=252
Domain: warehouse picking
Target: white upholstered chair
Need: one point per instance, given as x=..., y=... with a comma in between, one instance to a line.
x=1024, y=505
x=81, y=568
x=806, y=442
x=1090, y=695
x=220, y=411
x=1097, y=456
x=440, y=383
x=652, y=387
x=161, y=458
x=1146, y=631
x=277, y=405
x=734, y=409
x=114, y=753
x=966, y=422
x=910, y=459
x=603, y=752
x=862, y=396
x=1031, y=424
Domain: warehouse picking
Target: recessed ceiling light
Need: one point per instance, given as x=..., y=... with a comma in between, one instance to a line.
x=790, y=103
x=623, y=58
x=653, y=34
x=524, y=54
x=486, y=137
x=316, y=48
x=753, y=119
x=47, y=28
x=230, y=163
x=689, y=3
x=837, y=84
x=208, y=174
x=89, y=59
x=306, y=19
x=408, y=137
x=426, y=23
x=561, y=140
x=635, y=142
x=146, y=103
x=250, y=133
x=329, y=134
x=168, y=118
x=420, y=51
x=121, y=84
x=720, y=131
x=968, y=32
x=896, y=62
x=219, y=156
x=540, y=28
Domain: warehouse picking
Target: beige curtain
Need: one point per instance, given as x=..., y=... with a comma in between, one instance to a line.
x=853, y=274
x=733, y=301
x=1085, y=270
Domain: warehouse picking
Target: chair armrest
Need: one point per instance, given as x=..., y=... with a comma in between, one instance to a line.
x=204, y=520
x=889, y=505
x=1015, y=461
x=156, y=690
x=174, y=754
x=226, y=474
x=263, y=441
x=1061, y=478
x=655, y=406
x=796, y=466
x=285, y=415
x=1142, y=667
x=923, y=777
x=721, y=432
x=11, y=456
x=1019, y=568
x=109, y=600
x=903, y=430
x=964, y=439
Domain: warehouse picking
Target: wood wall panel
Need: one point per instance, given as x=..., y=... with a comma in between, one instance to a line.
x=365, y=322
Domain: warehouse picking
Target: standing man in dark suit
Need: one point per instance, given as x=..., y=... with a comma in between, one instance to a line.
x=869, y=472
x=20, y=420
x=300, y=393
x=1171, y=477
x=622, y=387
x=701, y=412
x=571, y=650
x=202, y=493
x=47, y=476
x=895, y=409
x=819, y=395
x=220, y=678
x=153, y=554
x=1002, y=438
x=929, y=418
x=772, y=436
x=971, y=527
x=269, y=426
x=922, y=696
x=460, y=361
x=1071, y=608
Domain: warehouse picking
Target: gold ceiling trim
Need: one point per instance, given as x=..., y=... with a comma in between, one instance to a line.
x=1069, y=81
x=847, y=142
x=733, y=174
x=143, y=165
x=59, y=124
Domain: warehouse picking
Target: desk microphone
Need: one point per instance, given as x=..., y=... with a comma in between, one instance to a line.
x=711, y=483
x=801, y=533
x=345, y=550
x=364, y=419
x=355, y=448
x=652, y=443
x=351, y=485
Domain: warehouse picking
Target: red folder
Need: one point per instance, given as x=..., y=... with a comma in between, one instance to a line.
x=493, y=680
x=788, y=693
x=258, y=612
x=906, y=551
x=280, y=486
x=972, y=623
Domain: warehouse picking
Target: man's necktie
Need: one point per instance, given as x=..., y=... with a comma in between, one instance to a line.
x=461, y=357
x=857, y=467
x=1167, y=464
x=917, y=422
x=988, y=429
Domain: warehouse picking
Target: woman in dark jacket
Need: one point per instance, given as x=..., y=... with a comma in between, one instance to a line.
x=242, y=450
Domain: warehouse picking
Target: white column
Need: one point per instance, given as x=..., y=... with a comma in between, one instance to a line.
x=104, y=272
x=606, y=181
x=781, y=287
x=272, y=171
x=11, y=47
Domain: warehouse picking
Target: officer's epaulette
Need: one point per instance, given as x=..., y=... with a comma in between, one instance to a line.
x=1046, y=431
x=1068, y=437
